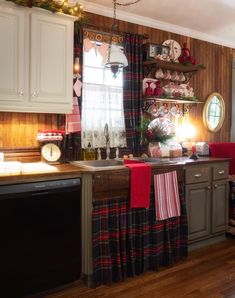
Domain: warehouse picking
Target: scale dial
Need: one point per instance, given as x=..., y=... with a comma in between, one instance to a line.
x=51, y=152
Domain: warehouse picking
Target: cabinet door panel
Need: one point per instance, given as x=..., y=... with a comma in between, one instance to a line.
x=198, y=210
x=13, y=53
x=51, y=61
x=220, y=203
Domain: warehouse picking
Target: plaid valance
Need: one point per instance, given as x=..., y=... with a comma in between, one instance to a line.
x=102, y=36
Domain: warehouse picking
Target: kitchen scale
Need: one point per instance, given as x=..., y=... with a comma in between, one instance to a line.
x=51, y=145
x=51, y=152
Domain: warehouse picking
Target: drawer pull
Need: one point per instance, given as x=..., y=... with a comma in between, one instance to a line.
x=208, y=187
x=198, y=175
x=221, y=172
x=216, y=185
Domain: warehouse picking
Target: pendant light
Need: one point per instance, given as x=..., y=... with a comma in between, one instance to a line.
x=115, y=58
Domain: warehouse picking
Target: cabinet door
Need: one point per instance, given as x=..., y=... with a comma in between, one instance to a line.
x=51, y=67
x=198, y=210
x=13, y=57
x=220, y=202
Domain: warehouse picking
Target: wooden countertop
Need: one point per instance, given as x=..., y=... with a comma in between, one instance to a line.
x=62, y=171
x=67, y=170
x=173, y=162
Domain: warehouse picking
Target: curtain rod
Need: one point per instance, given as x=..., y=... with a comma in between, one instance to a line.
x=108, y=30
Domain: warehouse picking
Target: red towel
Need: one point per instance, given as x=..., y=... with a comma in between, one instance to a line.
x=166, y=195
x=131, y=161
x=140, y=184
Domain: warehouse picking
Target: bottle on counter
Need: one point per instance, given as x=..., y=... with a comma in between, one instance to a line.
x=89, y=153
x=99, y=154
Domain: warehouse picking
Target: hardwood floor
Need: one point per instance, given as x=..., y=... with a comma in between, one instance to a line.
x=208, y=272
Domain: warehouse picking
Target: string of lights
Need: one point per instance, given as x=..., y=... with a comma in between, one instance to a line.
x=54, y=6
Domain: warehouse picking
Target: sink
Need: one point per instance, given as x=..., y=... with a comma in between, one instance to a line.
x=98, y=163
x=158, y=160
x=118, y=162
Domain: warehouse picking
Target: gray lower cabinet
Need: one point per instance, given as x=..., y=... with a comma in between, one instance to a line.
x=198, y=202
x=206, y=190
x=219, y=206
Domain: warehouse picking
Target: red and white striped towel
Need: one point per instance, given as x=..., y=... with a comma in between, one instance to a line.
x=167, y=201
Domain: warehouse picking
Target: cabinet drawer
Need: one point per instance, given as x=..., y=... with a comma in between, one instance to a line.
x=197, y=174
x=220, y=171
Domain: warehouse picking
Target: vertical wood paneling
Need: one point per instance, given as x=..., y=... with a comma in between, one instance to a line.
x=20, y=129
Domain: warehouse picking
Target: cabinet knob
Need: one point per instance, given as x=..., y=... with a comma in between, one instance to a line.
x=198, y=175
x=216, y=185
x=21, y=93
x=34, y=94
x=221, y=172
x=208, y=187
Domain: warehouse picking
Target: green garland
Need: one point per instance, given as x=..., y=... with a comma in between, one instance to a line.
x=54, y=6
x=157, y=134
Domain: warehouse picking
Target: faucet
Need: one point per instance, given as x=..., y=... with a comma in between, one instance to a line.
x=107, y=143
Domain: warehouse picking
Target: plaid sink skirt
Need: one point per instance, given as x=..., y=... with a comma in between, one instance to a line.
x=127, y=242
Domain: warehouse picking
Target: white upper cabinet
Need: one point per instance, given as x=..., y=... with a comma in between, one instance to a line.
x=36, y=60
x=13, y=57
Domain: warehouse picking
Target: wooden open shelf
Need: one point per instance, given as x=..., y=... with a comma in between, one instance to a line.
x=171, y=66
x=172, y=99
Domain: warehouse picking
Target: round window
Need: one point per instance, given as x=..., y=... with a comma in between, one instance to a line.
x=214, y=112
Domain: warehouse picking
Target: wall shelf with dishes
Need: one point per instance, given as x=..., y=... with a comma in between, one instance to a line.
x=167, y=70
x=154, y=109
x=155, y=64
x=171, y=92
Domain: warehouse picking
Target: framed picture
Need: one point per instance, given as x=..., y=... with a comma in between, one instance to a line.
x=165, y=50
x=150, y=51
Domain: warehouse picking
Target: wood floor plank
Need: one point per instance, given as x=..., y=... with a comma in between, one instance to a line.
x=208, y=272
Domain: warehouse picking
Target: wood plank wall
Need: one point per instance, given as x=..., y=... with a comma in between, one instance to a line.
x=20, y=129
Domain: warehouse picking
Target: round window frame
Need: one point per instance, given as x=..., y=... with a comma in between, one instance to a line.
x=206, y=112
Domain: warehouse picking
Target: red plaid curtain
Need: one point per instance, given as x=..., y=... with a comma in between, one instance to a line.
x=78, y=53
x=129, y=241
x=133, y=100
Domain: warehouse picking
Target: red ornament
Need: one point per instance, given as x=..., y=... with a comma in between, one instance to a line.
x=186, y=56
x=149, y=134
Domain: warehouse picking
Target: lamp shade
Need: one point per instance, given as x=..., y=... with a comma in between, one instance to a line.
x=114, y=56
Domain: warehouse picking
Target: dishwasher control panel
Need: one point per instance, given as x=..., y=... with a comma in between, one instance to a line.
x=53, y=185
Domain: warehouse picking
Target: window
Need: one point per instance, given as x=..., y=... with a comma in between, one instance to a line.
x=102, y=101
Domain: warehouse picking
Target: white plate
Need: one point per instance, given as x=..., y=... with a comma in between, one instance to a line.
x=175, y=49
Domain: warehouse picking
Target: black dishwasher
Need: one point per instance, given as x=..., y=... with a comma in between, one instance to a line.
x=40, y=242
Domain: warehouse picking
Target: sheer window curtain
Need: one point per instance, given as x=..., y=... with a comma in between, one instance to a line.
x=101, y=105
x=102, y=102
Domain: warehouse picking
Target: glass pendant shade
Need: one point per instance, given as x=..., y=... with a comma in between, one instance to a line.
x=114, y=59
